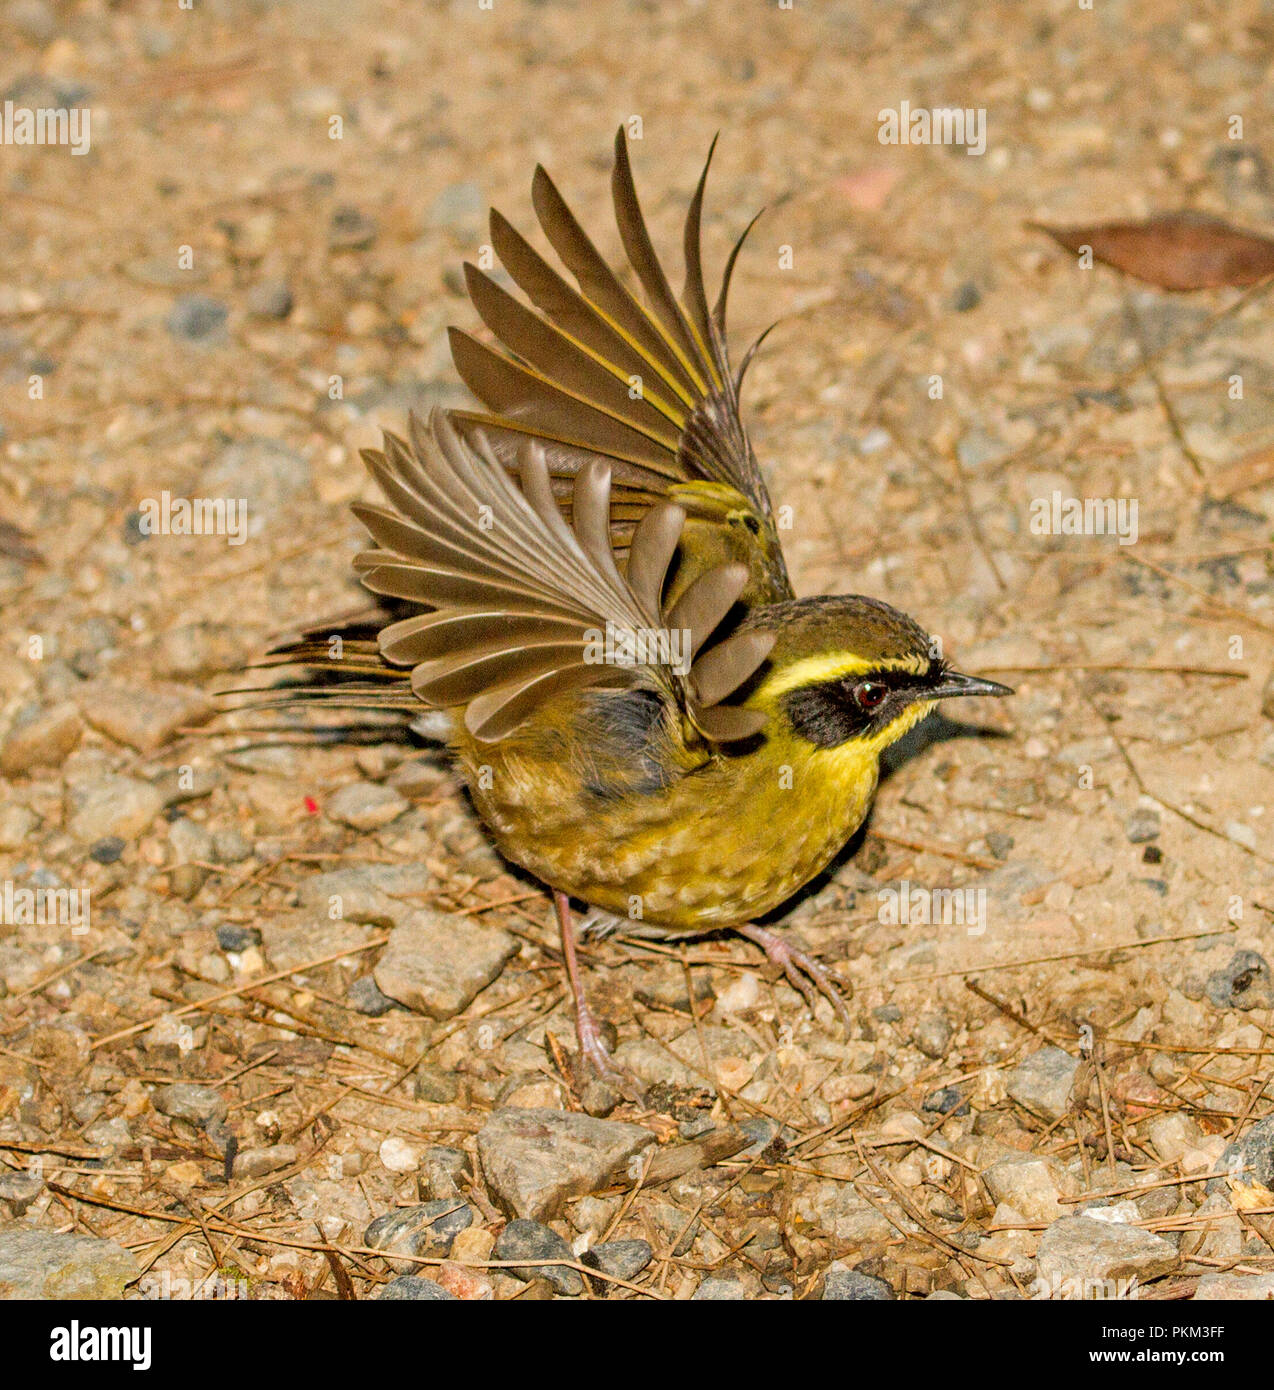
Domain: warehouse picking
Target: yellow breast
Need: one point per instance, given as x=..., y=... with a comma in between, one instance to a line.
x=716, y=847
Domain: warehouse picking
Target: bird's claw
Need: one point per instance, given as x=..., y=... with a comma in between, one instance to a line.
x=802, y=971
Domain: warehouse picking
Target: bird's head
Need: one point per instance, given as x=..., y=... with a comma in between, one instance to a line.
x=853, y=674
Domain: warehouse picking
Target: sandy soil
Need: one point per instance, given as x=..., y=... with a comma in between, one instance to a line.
x=1116, y=811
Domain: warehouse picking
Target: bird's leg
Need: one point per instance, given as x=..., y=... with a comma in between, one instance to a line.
x=801, y=969
x=592, y=1049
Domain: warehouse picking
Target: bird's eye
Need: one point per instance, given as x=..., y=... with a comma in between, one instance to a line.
x=870, y=695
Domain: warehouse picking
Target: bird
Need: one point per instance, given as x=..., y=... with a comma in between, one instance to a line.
x=584, y=579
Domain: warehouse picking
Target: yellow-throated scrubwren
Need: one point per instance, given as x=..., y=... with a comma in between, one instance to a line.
x=648, y=719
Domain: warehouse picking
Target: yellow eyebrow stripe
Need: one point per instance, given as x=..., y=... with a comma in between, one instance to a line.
x=814, y=670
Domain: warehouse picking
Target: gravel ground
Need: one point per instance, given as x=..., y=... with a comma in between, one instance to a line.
x=305, y=1037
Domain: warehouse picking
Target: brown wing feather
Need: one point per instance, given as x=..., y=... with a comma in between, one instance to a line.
x=593, y=371
x=520, y=599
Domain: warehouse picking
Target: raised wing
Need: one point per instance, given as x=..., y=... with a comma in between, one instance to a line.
x=590, y=369
x=525, y=607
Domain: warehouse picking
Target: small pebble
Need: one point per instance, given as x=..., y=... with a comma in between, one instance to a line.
x=183, y=1100
x=235, y=937
x=1245, y=983
x=398, y=1155
x=848, y=1285
x=718, y=1289
x=435, y=1086
x=623, y=1259
x=1142, y=825
x=366, y=805
x=530, y=1241
x=932, y=1034
x=364, y=997
x=351, y=230
x=1042, y=1082
x=426, y=1229
x=18, y=1191
x=414, y=1288
x=271, y=299
x=197, y=317
x=947, y=1101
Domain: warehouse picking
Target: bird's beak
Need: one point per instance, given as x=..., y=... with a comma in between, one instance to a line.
x=954, y=683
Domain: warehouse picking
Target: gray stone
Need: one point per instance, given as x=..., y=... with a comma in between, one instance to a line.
x=651, y=1062
x=414, y=1288
x=270, y=299
x=949, y=1100
x=109, y=1134
x=535, y=1160
x=19, y=1190
x=41, y=736
x=365, y=997
x=1245, y=983
x=197, y=318
x=622, y=1259
x=1226, y=1288
x=183, y=1100
x=932, y=1034
x=532, y=1242
x=107, y=851
x=234, y=937
x=372, y=894
x=45, y=1265
x=851, y=1286
x=351, y=230
x=437, y=963
x=427, y=1229
x=113, y=805
x=190, y=841
x=365, y=805
x=1042, y=1082
x=17, y=824
x=1142, y=825
x=195, y=651
x=256, y=1163
x=143, y=717
x=1079, y=1252
x=435, y=1086
x=443, y=1172
x=230, y=846
x=292, y=941
x=1250, y=1159
x=719, y=1288
x=1030, y=1183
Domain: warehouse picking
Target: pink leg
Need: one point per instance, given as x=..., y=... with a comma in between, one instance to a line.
x=592, y=1050
x=801, y=969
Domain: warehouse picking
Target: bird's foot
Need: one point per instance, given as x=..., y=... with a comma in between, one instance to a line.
x=596, y=1070
x=803, y=972
x=595, y=1066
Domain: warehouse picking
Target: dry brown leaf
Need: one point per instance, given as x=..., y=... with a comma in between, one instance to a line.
x=1175, y=251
